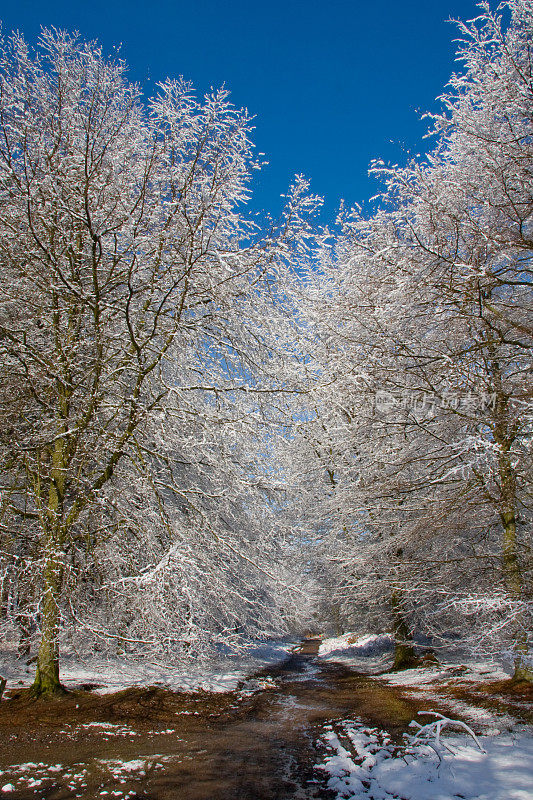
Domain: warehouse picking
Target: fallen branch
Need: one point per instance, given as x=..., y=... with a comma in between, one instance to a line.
x=432, y=730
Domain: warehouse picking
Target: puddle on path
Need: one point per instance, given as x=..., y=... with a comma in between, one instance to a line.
x=253, y=744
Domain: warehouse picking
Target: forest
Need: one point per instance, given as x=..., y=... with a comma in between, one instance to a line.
x=216, y=428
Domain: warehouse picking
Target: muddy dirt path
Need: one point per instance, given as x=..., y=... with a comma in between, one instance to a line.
x=257, y=743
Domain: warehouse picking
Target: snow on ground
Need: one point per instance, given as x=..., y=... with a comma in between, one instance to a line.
x=425, y=682
x=112, y=675
x=362, y=764
x=365, y=653
x=113, y=772
x=474, y=672
x=372, y=653
x=351, y=645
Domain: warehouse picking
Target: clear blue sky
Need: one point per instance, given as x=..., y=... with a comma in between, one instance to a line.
x=332, y=84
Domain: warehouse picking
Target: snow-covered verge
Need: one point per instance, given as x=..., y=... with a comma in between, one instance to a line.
x=363, y=764
x=112, y=675
x=351, y=646
x=373, y=652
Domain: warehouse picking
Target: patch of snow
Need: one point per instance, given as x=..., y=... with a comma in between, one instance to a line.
x=76, y=779
x=369, y=768
x=108, y=729
x=29, y=765
x=108, y=725
x=422, y=676
x=350, y=645
x=369, y=653
x=426, y=682
x=134, y=765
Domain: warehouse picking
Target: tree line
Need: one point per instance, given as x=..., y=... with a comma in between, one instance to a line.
x=209, y=428
x=423, y=310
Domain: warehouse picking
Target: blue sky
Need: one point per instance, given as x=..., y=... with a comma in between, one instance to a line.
x=332, y=85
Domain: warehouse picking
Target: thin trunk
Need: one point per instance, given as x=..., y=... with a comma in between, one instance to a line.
x=24, y=628
x=513, y=583
x=337, y=621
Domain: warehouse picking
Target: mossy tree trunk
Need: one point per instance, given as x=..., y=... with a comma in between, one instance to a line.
x=47, y=673
x=511, y=570
x=505, y=432
x=404, y=650
x=513, y=580
x=47, y=681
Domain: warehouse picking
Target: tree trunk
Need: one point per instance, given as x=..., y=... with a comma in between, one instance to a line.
x=510, y=562
x=513, y=582
x=46, y=681
x=24, y=625
x=47, y=674
x=24, y=645
x=404, y=651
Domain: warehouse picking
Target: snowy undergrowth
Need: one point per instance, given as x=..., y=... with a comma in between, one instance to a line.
x=428, y=683
x=112, y=675
x=363, y=764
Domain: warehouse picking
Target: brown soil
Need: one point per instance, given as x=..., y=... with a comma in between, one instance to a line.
x=142, y=705
x=522, y=690
x=257, y=743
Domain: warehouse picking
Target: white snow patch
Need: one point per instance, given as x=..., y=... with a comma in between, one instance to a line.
x=351, y=645
x=107, y=725
x=473, y=672
x=373, y=770
x=368, y=653
x=115, y=765
x=426, y=682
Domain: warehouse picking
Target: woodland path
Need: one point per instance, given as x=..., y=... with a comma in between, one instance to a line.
x=257, y=743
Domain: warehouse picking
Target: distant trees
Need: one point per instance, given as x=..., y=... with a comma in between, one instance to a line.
x=137, y=311
x=427, y=345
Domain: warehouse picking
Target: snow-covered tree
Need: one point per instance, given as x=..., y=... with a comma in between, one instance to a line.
x=428, y=345
x=138, y=307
